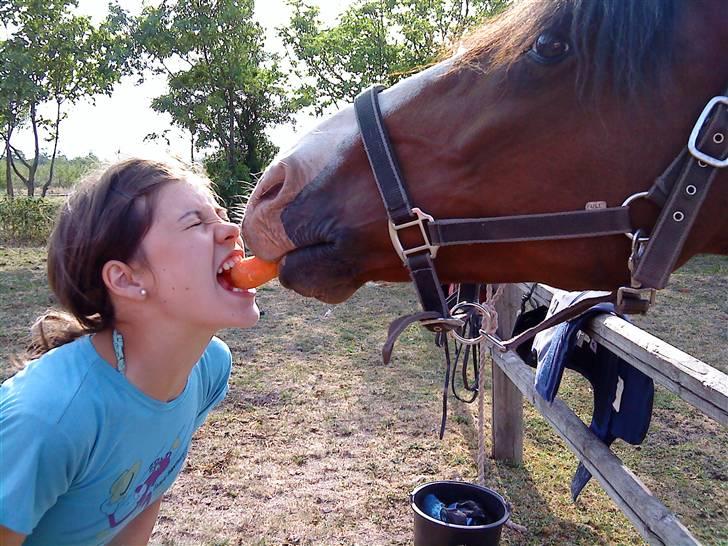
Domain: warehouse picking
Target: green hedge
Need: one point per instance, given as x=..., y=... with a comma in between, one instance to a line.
x=27, y=220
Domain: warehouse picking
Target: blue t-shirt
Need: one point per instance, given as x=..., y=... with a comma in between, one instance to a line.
x=83, y=451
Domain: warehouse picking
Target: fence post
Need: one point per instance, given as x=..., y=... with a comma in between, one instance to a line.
x=507, y=408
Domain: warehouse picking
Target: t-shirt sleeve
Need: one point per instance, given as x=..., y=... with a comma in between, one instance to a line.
x=215, y=369
x=38, y=465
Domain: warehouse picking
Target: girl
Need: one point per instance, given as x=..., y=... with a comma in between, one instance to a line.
x=97, y=427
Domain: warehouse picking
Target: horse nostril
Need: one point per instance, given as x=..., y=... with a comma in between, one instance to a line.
x=271, y=192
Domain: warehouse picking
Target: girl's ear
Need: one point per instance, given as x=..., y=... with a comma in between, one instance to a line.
x=122, y=281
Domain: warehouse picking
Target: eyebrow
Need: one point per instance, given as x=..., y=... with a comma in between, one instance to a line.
x=220, y=211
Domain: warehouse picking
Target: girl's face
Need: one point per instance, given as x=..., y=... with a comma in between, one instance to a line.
x=189, y=241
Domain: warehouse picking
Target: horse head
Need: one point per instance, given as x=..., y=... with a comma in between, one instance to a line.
x=553, y=105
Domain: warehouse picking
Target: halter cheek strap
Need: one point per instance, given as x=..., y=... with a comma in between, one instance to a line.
x=689, y=180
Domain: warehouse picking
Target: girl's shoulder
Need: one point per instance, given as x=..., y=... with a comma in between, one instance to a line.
x=216, y=360
x=48, y=386
x=218, y=349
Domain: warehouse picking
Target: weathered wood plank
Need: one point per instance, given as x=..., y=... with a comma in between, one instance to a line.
x=507, y=407
x=649, y=516
x=691, y=379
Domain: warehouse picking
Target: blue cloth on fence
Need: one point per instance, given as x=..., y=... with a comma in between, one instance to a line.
x=623, y=395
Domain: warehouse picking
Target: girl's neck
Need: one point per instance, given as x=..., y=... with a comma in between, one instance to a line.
x=158, y=362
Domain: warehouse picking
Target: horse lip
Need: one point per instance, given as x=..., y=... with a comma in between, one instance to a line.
x=300, y=271
x=305, y=248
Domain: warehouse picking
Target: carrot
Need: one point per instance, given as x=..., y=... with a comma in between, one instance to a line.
x=252, y=272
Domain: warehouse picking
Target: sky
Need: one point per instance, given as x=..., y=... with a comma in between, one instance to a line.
x=114, y=127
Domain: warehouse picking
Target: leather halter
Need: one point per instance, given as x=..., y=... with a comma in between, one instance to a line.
x=680, y=192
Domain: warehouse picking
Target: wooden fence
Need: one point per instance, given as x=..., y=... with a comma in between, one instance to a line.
x=694, y=381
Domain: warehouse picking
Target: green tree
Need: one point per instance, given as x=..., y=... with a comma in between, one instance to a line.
x=375, y=41
x=55, y=58
x=15, y=88
x=224, y=88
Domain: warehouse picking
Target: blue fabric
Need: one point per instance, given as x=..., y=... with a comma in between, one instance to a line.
x=83, y=451
x=623, y=395
x=466, y=512
x=432, y=506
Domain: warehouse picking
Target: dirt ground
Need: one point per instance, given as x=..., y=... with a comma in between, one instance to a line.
x=319, y=443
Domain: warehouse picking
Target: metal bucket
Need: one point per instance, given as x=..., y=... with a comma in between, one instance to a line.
x=433, y=532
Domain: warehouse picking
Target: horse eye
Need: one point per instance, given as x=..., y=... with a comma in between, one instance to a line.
x=549, y=47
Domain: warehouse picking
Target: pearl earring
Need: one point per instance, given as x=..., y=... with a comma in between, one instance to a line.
x=143, y=292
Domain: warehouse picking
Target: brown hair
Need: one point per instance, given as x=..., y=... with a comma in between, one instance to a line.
x=105, y=218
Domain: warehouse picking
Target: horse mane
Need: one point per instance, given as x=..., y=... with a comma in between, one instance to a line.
x=625, y=43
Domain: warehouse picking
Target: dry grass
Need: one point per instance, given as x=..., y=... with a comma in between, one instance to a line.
x=318, y=443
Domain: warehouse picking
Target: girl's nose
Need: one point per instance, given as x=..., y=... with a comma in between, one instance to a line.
x=227, y=231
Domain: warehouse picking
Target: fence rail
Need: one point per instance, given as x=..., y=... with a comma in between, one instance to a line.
x=694, y=381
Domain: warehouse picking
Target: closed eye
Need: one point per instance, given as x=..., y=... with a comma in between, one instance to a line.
x=211, y=216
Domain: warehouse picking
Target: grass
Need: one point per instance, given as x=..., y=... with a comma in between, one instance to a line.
x=319, y=443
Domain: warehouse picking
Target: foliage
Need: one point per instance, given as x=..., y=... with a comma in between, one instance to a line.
x=375, y=41
x=53, y=57
x=65, y=174
x=27, y=220
x=223, y=87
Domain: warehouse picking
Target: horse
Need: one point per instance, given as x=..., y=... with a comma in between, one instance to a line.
x=555, y=105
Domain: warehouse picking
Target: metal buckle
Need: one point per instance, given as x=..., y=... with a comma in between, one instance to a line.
x=638, y=250
x=625, y=292
x=394, y=235
x=442, y=324
x=692, y=141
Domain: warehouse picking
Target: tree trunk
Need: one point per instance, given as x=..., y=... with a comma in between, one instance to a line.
x=33, y=167
x=55, y=150
x=231, y=133
x=192, y=147
x=9, y=160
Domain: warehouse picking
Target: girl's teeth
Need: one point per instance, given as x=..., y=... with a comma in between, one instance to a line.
x=229, y=264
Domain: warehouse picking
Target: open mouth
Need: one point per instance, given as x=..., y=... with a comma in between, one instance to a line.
x=223, y=272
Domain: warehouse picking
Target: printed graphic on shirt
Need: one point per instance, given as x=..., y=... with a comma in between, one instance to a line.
x=135, y=487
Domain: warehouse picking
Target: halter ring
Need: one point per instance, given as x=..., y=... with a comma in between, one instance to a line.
x=481, y=311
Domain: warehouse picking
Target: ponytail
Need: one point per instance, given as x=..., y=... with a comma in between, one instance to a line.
x=53, y=329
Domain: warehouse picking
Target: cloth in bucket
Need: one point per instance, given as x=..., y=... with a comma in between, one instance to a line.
x=623, y=395
x=460, y=513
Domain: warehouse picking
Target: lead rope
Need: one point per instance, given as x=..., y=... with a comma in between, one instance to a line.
x=489, y=325
x=481, y=416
